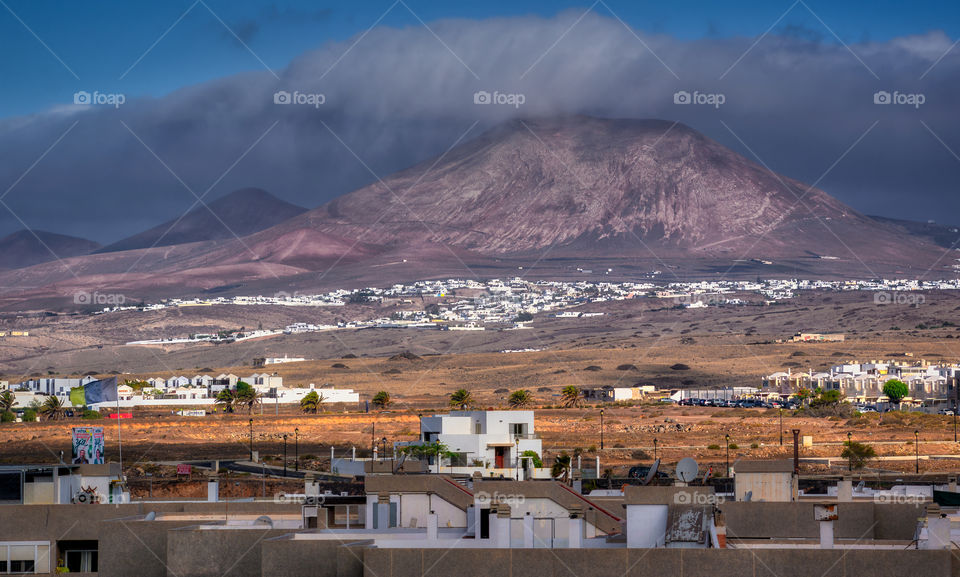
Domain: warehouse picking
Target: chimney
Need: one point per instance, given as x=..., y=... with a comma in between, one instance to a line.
x=575, y=539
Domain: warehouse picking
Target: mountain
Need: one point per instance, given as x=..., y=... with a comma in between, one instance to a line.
x=944, y=235
x=556, y=194
x=584, y=186
x=240, y=213
x=25, y=248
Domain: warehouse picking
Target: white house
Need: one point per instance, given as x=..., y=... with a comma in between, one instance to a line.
x=491, y=437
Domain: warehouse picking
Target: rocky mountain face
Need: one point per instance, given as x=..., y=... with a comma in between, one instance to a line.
x=578, y=190
x=583, y=185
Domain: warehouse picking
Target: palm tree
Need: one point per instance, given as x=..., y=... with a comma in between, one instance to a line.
x=571, y=396
x=312, y=402
x=381, y=400
x=52, y=408
x=520, y=398
x=7, y=400
x=461, y=399
x=227, y=398
x=561, y=467
x=246, y=396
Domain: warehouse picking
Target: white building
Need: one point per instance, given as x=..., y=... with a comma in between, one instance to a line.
x=492, y=438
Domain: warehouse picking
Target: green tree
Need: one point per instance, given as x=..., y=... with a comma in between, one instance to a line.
x=561, y=467
x=461, y=399
x=533, y=457
x=857, y=454
x=520, y=398
x=826, y=398
x=895, y=390
x=247, y=397
x=524, y=317
x=7, y=400
x=226, y=399
x=382, y=400
x=52, y=408
x=571, y=396
x=310, y=402
x=29, y=416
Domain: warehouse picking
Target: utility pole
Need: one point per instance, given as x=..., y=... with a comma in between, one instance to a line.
x=601, y=429
x=727, y=473
x=251, y=439
x=296, y=440
x=284, y=455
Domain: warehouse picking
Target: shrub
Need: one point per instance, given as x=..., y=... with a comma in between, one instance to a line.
x=91, y=414
x=754, y=446
x=857, y=454
x=29, y=416
x=8, y=417
x=713, y=447
x=680, y=367
x=640, y=455
x=733, y=446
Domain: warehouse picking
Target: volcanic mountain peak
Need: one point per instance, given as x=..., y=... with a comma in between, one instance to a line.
x=26, y=248
x=576, y=181
x=241, y=212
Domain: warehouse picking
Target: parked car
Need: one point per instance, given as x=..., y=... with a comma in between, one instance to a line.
x=641, y=472
x=946, y=412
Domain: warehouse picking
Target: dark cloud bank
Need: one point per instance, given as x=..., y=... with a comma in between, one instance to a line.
x=399, y=96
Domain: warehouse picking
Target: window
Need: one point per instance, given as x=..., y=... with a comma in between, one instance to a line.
x=518, y=429
x=24, y=557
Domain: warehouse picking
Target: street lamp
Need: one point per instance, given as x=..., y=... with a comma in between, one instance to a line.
x=727, y=473
x=654, y=448
x=781, y=426
x=383, y=449
x=916, y=448
x=849, y=445
x=251, y=439
x=601, y=429
x=284, y=454
x=296, y=448
x=954, y=423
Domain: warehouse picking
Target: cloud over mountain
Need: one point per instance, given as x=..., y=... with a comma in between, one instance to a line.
x=802, y=106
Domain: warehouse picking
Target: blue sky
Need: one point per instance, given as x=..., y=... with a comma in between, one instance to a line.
x=99, y=41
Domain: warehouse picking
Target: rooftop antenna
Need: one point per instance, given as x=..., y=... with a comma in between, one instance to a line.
x=687, y=470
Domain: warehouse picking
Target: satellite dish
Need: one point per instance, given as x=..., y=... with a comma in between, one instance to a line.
x=651, y=473
x=687, y=469
x=151, y=516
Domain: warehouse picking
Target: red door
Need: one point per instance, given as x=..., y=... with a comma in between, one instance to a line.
x=498, y=455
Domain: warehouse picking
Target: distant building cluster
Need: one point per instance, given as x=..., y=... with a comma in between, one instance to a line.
x=182, y=390
x=473, y=305
x=929, y=384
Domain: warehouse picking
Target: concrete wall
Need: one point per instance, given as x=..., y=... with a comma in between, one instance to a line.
x=195, y=552
x=653, y=563
x=284, y=557
x=858, y=520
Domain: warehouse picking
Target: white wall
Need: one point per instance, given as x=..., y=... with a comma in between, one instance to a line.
x=646, y=526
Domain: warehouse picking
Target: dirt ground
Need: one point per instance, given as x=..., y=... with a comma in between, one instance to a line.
x=628, y=437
